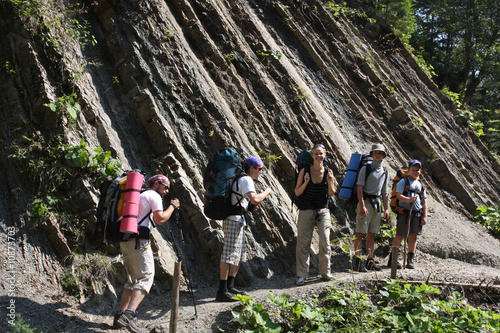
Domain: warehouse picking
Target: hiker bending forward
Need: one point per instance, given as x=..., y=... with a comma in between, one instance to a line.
x=370, y=189
x=414, y=197
x=137, y=252
x=234, y=250
x=315, y=184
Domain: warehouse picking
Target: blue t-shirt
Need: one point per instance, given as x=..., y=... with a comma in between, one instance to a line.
x=413, y=190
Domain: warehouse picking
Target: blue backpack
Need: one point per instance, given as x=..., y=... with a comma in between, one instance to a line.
x=222, y=170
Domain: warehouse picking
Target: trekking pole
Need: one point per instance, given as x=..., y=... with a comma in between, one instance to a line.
x=190, y=287
x=179, y=255
x=407, y=233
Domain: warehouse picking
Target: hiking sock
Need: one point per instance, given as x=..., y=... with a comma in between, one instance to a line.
x=222, y=286
x=230, y=282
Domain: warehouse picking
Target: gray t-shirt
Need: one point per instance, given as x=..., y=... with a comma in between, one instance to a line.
x=376, y=183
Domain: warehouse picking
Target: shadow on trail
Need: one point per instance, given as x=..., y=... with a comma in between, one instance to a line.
x=47, y=316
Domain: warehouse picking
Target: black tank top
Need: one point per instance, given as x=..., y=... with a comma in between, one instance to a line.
x=315, y=196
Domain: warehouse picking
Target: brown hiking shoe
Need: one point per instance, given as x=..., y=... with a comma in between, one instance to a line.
x=128, y=319
x=372, y=266
x=358, y=265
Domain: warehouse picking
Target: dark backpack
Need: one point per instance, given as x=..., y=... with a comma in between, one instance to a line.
x=222, y=170
x=109, y=209
x=348, y=191
x=402, y=173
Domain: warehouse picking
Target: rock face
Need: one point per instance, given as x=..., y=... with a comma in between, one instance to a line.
x=167, y=83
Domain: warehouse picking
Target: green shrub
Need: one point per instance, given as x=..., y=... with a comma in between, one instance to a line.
x=402, y=307
x=21, y=325
x=490, y=218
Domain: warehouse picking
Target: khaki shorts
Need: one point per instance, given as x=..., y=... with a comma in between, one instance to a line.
x=369, y=223
x=139, y=264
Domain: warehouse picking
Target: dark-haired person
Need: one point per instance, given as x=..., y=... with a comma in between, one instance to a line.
x=410, y=193
x=234, y=250
x=372, y=192
x=315, y=184
x=137, y=252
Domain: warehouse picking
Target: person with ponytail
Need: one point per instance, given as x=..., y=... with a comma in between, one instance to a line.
x=315, y=184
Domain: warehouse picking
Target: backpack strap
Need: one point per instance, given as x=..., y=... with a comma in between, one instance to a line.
x=368, y=170
x=236, y=209
x=407, y=186
x=307, y=168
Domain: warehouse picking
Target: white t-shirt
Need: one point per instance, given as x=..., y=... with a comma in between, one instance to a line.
x=243, y=186
x=150, y=202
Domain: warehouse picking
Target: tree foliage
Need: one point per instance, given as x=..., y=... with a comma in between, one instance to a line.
x=460, y=39
x=398, y=14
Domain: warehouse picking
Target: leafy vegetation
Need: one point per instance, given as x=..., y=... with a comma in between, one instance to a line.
x=387, y=232
x=21, y=325
x=263, y=54
x=394, y=306
x=342, y=9
x=399, y=14
x=96, y=160
x=490, y=218
x=268, y=158
x=67, y=103
x=45, y=164
x=168, y=35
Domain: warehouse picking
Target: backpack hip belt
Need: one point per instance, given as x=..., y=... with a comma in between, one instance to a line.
x=374, y=200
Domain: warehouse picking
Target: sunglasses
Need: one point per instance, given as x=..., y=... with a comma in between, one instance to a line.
x=165, y=185
x=258, y=167
x=319, y=145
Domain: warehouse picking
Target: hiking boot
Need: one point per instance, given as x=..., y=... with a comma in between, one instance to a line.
x=128, y=319
x=372, y=266
x=327, y=276
x=410, y=263
x=235, y=291
x=358, y=265
x=115, y=320
x=300, y=281
x=225, y=296
x=389, y=262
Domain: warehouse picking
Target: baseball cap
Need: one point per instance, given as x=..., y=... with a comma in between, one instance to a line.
x=160, y=179
x=415, y=162
x=251, y=161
